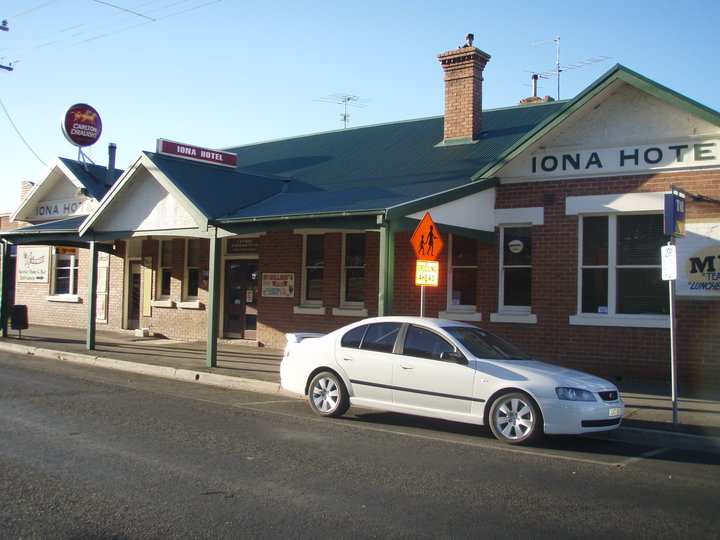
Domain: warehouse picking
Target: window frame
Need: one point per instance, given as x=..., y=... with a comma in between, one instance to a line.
x=612, y=317
x=191, y=268
x=164, y=267
x=305, y=301
x=73, y=277
x=460, y=312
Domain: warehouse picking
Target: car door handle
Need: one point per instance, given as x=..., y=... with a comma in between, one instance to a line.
x=347, y=359
x=407, y=368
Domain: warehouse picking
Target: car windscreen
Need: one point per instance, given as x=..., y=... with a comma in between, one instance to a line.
x=483, y=344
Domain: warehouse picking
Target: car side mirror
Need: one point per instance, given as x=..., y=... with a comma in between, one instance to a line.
x=454, y=356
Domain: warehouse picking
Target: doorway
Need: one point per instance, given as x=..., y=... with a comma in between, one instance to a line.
x=241, y=292
x=133, y=319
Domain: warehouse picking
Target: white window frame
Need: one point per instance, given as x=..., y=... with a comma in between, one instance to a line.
x=458, y=312
x=355, y=309
x=74, y=268
x=164, y=265
x=511, y=314
x=187, y=297
x=639, y=203
x=309, y=307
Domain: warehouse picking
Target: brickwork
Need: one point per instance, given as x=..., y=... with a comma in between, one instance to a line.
x=463, y=92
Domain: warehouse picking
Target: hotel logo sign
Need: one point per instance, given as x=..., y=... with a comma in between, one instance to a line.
x=195, y=153
x=81, y=125
x=628, y=159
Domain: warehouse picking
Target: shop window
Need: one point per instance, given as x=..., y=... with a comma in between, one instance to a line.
x=353, y=283
x=515, y=269
x=65, y=281
x=313, y=269
x=620, y=268
x=192, y=268
x=165, y=270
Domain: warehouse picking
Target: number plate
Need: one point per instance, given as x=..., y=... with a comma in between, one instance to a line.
x=615, y=411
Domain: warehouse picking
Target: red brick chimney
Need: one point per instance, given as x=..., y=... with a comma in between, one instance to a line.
x=463, y=92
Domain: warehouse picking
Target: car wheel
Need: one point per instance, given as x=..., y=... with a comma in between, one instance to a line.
x=327, y=395
x=515, y=419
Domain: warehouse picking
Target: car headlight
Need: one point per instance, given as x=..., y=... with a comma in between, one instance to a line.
x=574, y=394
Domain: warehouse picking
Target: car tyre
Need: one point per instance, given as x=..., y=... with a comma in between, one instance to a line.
x=327, y=395
x=515, y=418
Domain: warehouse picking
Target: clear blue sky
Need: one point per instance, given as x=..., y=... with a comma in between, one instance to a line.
x=229, y=72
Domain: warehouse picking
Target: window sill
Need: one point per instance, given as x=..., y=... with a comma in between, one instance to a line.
x=350, y=312
x=636, y=321
x=190, y=304
x=68, y=298
x=518, y=318
x=163, y=303
x=459, y=315
x=309, y=310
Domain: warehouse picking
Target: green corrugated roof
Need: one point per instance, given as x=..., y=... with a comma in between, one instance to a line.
x=382, y=166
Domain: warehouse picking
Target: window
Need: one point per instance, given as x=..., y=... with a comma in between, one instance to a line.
x=463, y=272
x=192, y=268
x=516, y=269
x=165, y=270
x=620, y=269
x=423, y=343
x=353, y=285
x=66, y=271
x=314, y=269
x=381, y=337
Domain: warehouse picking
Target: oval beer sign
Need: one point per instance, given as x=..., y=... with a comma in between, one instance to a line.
x=81, y=125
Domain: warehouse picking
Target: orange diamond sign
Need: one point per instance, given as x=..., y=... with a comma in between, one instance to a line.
x=426, y=240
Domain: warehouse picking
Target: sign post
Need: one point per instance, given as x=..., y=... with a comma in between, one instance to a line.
x=427, y=244
x=674, y=225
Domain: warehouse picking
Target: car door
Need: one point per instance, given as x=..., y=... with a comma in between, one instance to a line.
x=422, y=380
x=366, y=355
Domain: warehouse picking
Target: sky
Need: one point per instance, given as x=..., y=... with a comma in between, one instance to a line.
x=222, y=73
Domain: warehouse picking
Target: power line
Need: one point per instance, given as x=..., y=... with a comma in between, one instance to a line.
x=20, y=134
x=62, y=46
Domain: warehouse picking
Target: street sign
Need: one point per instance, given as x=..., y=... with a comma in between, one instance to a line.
x=674, y=215
x=427, y=273
x=668, y=256
x=426, y=240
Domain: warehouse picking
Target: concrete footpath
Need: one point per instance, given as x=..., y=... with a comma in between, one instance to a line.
x=648, y=406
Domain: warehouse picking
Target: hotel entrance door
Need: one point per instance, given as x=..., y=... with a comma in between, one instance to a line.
x=241, y=292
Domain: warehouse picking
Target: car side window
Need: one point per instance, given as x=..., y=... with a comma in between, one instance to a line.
x=423, y=343
x=381, y=337
x=353, y=338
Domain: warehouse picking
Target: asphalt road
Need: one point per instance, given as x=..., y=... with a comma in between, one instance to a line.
x=94, y=453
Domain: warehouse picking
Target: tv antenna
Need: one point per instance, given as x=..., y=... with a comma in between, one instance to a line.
x=346, y=100
x=558, y=70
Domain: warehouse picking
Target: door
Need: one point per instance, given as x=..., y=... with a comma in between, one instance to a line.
x=422, y=380
x=241, y=291
x=134, y=299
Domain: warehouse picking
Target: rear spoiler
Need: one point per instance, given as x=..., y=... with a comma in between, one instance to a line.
x=297, y=337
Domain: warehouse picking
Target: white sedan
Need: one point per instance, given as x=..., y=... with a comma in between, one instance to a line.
x=446, y=369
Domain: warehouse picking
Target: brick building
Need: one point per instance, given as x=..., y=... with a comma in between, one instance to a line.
x=550, y=212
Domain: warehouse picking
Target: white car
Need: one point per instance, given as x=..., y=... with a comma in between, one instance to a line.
x=446, y=369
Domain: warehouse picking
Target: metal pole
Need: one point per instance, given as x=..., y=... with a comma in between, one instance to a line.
x=422, y=300
x=673, y=346
x=213, y=300
x=92, y=297
x=4, y=279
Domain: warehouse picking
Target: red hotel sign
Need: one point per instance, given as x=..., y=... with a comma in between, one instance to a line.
x=204, y=155
x=81, y=125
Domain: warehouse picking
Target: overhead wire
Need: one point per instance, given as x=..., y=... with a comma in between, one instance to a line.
x=16, y=54
x=20, y=134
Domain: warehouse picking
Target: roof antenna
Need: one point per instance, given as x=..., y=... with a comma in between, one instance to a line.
x=558, y=69
x=345, y=100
